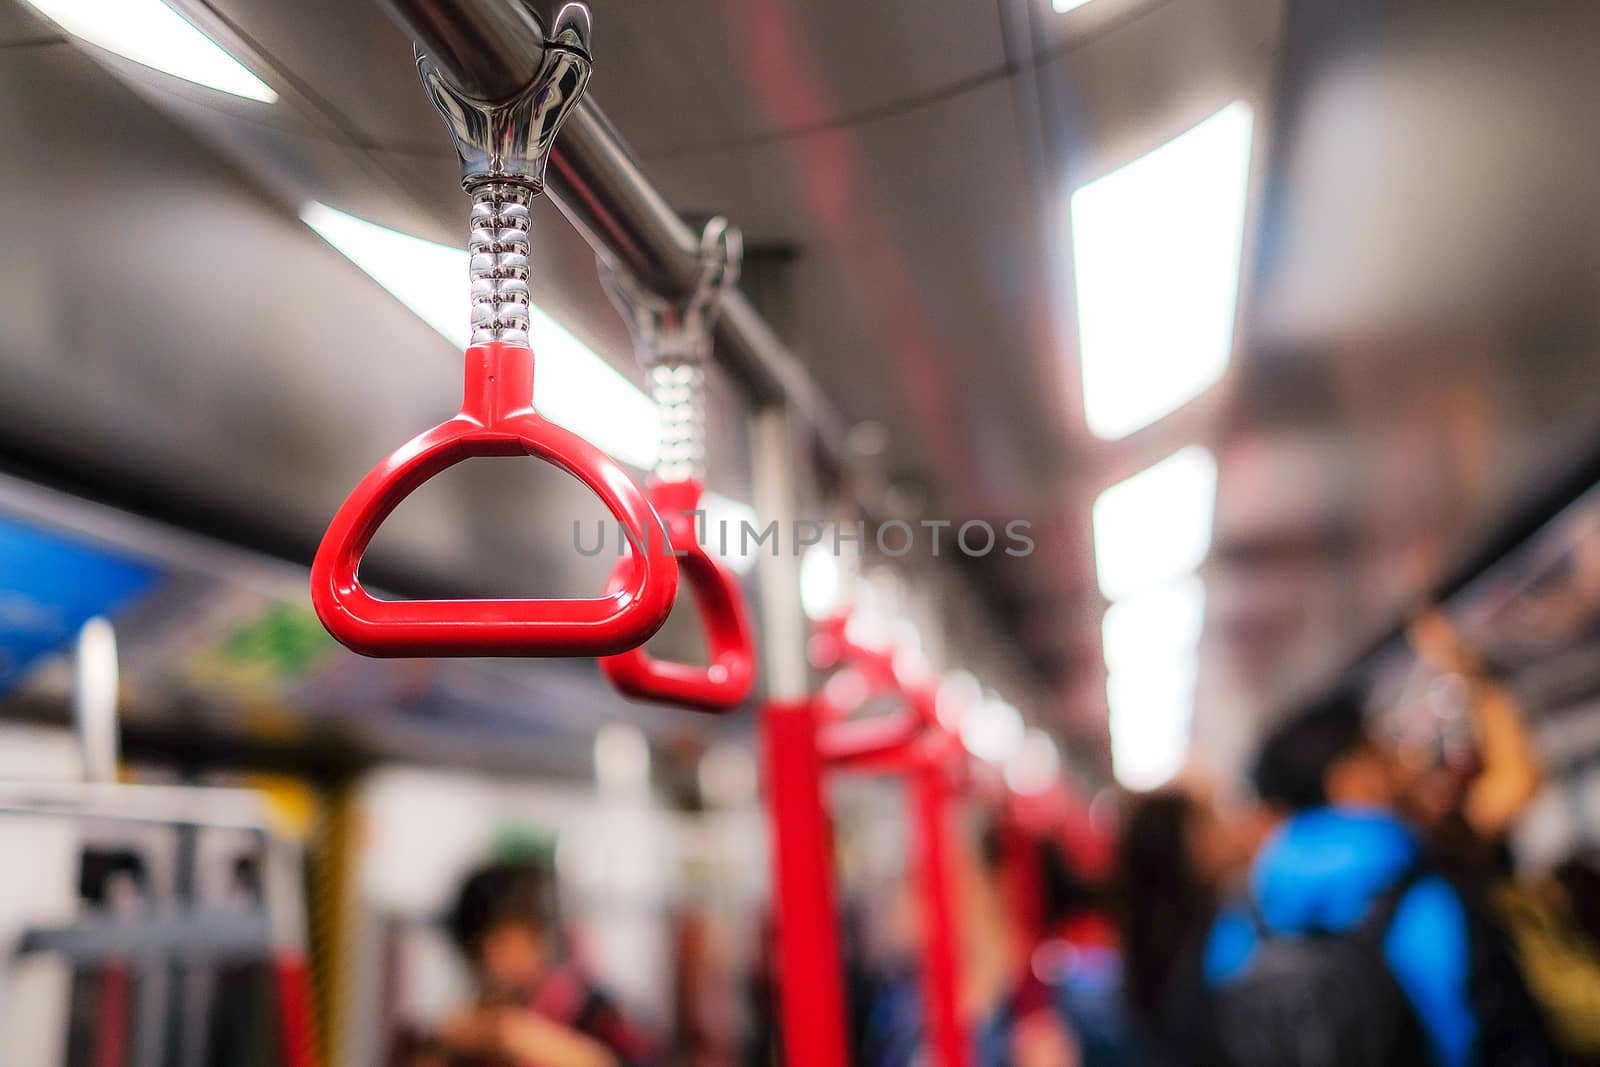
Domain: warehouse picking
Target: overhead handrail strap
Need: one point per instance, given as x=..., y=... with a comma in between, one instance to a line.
x=894, y=742
x=503, y=147
x=888, y=742
x=673, y=341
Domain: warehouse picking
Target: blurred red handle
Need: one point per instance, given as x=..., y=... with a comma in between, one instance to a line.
x=725, y=682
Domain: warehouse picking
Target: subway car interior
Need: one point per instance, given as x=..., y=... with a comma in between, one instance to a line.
x=822, y=533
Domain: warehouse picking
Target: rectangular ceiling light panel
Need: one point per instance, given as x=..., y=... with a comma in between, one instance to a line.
x=1156, y=249
x=1157, y=625
x=1155, y=527
x=1152, y=708
x=151, y=33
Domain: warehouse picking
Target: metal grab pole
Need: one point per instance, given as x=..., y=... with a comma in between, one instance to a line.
x=930, y=790
x=810, y=982
x=490, y=50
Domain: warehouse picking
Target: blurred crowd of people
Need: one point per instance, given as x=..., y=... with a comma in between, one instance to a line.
x=1362, y=906
x=1357, y=905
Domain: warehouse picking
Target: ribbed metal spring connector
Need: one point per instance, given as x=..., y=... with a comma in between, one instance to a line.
x=498, y=266
x=678, y=388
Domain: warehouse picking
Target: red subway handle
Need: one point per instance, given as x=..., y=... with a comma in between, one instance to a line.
x=497, y=418
x=725, y=682
x=878, y=743
x=875, y=742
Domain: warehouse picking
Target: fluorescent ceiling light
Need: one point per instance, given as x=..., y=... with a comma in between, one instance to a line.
x=151, y=33
x=958, y=692
x=1156, y=526
x=1036, y=764
x=910, y=665
x=819, y=582
x=576, y=388
x=1162, y=623
x=878, y=603
x=1156, y=247
x=1069, y=5
x=993, y=730
x=1152, y=706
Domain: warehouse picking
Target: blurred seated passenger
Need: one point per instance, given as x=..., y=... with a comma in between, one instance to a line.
x=531, y=1009
x=1350, y=947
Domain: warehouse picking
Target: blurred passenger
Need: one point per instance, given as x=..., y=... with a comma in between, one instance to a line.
x=1013, y=1021
x=532, y=1009
x=1169, y=872
x=1579, y=878
x=705, y=984
x=1017, y=1024
x=1350, y=947
x=1559, y=961
x=1079, y=959
x=1469, y=797
x=761, y=998
x=884, y=980
x=1468, y=791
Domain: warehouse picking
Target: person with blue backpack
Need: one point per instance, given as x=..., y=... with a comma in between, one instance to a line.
x=1349, y=948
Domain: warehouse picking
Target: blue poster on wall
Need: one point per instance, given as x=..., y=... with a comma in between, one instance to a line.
x=50, y=584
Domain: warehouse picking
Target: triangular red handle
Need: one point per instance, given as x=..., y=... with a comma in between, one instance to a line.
x=880, y=741
x=497, y=418
x=726, y=681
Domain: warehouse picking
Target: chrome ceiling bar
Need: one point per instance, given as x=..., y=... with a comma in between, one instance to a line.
x=490, y=50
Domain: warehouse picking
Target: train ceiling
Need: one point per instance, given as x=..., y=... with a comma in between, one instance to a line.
x=1415, y=339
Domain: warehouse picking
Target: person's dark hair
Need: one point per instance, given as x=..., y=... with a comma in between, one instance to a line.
x=1063, y=889
x=497, y=895
x=1165, y=904
x=991, y=845
x=1291, y=767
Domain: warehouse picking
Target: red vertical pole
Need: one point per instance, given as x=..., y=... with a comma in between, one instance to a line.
x=297, y=1025
x=115, y=1002
x=810, y=979
x=941, y=975
x=1020, y=881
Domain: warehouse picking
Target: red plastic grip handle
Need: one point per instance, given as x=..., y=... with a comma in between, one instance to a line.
x=497, y=418
x=879, y=743
x=726, y=681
